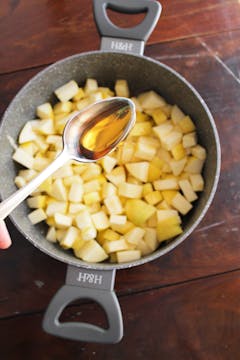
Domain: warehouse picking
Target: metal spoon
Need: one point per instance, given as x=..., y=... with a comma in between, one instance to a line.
x=87, y=137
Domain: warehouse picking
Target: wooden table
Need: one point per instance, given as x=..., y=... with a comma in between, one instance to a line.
x=185, y=305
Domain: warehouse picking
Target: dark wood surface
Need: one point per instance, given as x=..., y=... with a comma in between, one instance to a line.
x=186, y=304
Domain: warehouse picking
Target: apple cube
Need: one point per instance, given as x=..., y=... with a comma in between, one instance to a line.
x=63, y=107
x=63, y=171
x=199, y=152
x=145, y=151
x=186, y=124
x=83, y=220
x=139, y=170
x=91, y=198
x=134, y=235
x=189, y=140
x=26, y=134
x=176, y=114
x=70, y=237
x=194, y=165
x=117, y=175
x=115, y=245
x=197, y=182
x=45, y=111
x=121, y=88
x=151, y=100
x=168, y=195
x=138, y=211
x=166, y=232
x=91, y=86
x=76, y=208
x=37, y=216
x=45, y=127
x=19, y=181
x=36, y=202
x=110, y=235
x=141, y=129
x=113, y=205
x=23, y=158
x=127, y=152
x=150, y=237
x=181, y=204
x=67, y=91
x=178, y=151
x=128, y=190
x=177, y=166
x=76, y=192
x=166, y=184
x=62, y=221
x=162, y=130
x=108, y=189
x=56, y=207
x=108, y=163
x=122, y=228
x=153, y=197
x=171, y=139
x=100, y=220
x=187, y=190
x=128, y=255
x=118, y=219
x=58, y=190
x=92, y=252
x=80, y=94
x=89, y=233
x=159, y=116
x=51, y=234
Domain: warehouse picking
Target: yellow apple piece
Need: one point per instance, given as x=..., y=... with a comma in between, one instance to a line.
x=121, y=88
x=187, y=190
x=197, y=182
x=63, y=107
x=138, y=211
x=67, y=91
x=19, y=181
x=176, y=114
x=194, y=165
x=153, y=197
x=23, y=158
x=62, y=221
x=115, y=245
x=141, y=129
x=150, y=238
x=186, y=124
x=150, y=100
x=134, y=235
x=117, y=175
x=181, y=204
x=199, y=152
x=113, y=205
x=56, y=207
x=70, y=237
x=92, y=252
x=128, y=190
x=45, y=111
x=26, y=134
x=139, y=170
x=189, y=140
x=58, y=190
x=166, y=184
x=100, y=220
x=108, y=163
x=37, y=216
x=91, y=86
x=118, y=219
x=75, y=194
x=51, y=234
x=128, y=255
x=145, y=151
x=36, y=202
x=166, y=232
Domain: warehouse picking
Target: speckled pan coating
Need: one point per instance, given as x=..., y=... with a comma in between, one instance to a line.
x=142, y=74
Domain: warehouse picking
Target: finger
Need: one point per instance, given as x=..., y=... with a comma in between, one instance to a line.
x=5, y=240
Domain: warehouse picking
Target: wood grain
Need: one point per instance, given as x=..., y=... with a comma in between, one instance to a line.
x=197, y=320
x=55, y=29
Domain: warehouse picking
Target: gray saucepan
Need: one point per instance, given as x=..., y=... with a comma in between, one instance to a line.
x=120, y=57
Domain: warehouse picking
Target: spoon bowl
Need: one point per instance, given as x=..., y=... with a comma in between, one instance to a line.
x=88, y=136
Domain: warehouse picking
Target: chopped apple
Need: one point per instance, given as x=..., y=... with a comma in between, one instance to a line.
x=177, y=166
x=115, y=245
x=138, y=211
x=118, y=219
x=199, y=152
x=166, y=232
x=23, y=158
x=176, y=114
x=91, y=198
x=121, y=88
x=128, y=255
x=178, y=151
x=76, y=192
x=91, y=86
x=128, y=190
x=187, y=190
x=26, y=134
x=181, y=204
x=56, y=207
x=76, y=208
x=186, y=125
x=117, y=175
x=139, y=170
x=92, y=252
x=113, y=205
x=83, y=220
x=70, y=237
x=163, y=129
x=67, y=91
x=197, y=182
x=37, y=216
x=108, y=189
x=108, y=163
x=153, y=197
x=141, y=129
x=89, y=233
x=166, y=184
x=100, y=220
x=189, y=140
x=194, y=165
x=58, y=190
x=62, y=221
x=36, y=202
x=151, y=100
x=134, y=235
x=145, y=151
x=51, y=234
x=45, y=111
x=122, y=228
x=63, y=107
x=150, y=237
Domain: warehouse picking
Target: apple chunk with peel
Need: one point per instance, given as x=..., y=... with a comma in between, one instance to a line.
x=138, y=211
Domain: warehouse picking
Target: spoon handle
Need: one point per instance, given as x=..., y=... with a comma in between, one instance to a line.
x=8, y=205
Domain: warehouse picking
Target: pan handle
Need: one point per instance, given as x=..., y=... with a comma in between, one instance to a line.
x=92, y=285
x=140, y=32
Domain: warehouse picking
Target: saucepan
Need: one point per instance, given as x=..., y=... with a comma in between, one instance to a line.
x=120, y=57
